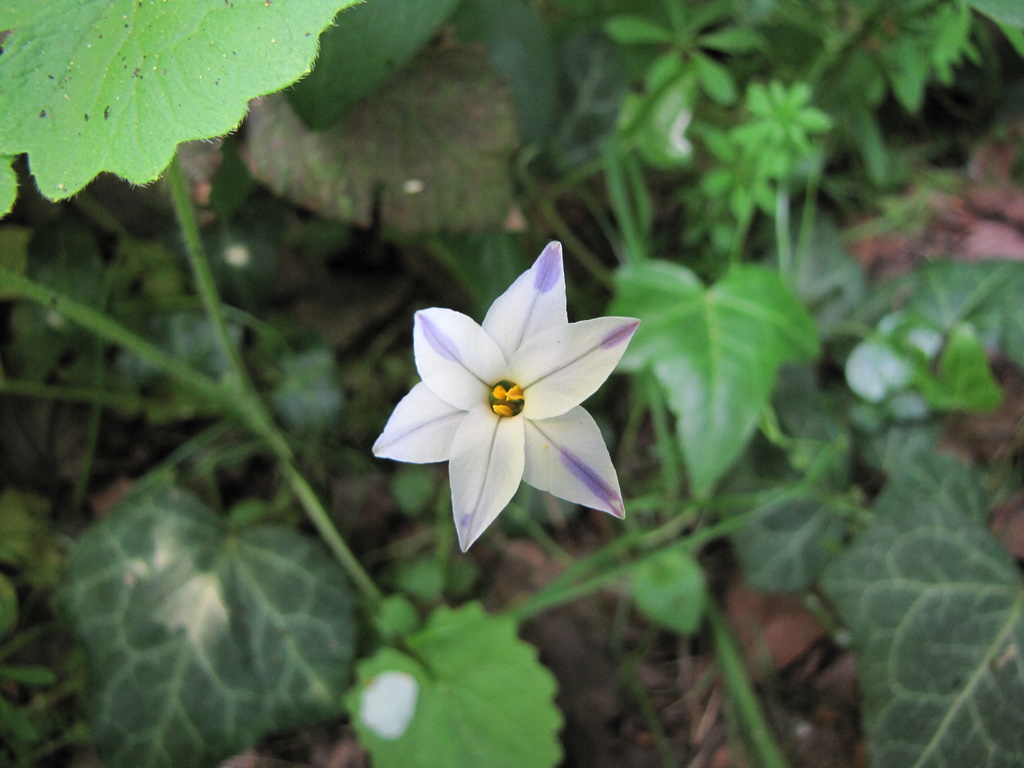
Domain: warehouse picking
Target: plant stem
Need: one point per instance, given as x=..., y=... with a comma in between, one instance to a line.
x=317, y=514
x=742, y=692
x=201, y=387
x=254, y=413
x=204, y=277
x=600, y=569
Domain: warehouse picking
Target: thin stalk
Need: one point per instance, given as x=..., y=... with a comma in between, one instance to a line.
x=126, y=401
x=254, y=411
x=667, y=446
x=737, y=682
x=599, y=569
x=579, y=250
x=321, y=520
x=783, y=235
x=743, y=226
x=633, y=235
x=202, y=388
x=204, y=277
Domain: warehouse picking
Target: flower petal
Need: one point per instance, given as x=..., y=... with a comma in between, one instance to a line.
x=486, y=469
x=532, y=304
x=455, y=357
x=421, y=428
x=563, y=366
x=566, y=456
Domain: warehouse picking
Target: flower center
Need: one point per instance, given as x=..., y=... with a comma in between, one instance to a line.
x=506, y=398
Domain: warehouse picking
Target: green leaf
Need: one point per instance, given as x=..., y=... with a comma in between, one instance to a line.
x=828, y=279
x=471, y=694
x=187, y=335
x=732, y=40
x=660, y=134
x=27, y=674
x=592, y=86
x=202, y=639
x=637, y=30
x=1006, y=11
x=715, y=351
x=519, y=48
x=936, y=607
x=430, y=151
x=308, y=399
x=786, y=544
x=669, y=588
x=8, y=605
x=8, y=185
x=14, y=722
x=714, y=79
x=875, y=370
x=114, y=85
x=985, y=294
x=964, y=380
x=367, y=44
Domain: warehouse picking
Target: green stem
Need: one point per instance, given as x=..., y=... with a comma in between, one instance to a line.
x=600, y=569
x=783, y=235
x=579, y=250
x=742, y=692
x=627, y=214
x=204, y=389
x=125, y=401
x=317, y=514
x=255, y=414
x=204, y=277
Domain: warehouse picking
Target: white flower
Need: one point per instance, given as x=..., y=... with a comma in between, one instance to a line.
x=501, y=402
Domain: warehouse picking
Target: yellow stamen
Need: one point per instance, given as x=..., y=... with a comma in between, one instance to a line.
x=507, y=399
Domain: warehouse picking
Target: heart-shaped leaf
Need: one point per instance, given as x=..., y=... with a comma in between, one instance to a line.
x=114, y=85
x=715, y=351
x=202, y=639
x=471, y=694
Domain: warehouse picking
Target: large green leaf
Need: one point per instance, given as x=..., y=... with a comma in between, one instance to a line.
x=202, y=639
x=114, y=85
x=367, y=44
x=470, y=694
x=936, y=607
x=430, y=151
x=986, y=294
x=715, y=351
x=8, y=185
x=787, y=543
x=519, y=47
x=1006, y=11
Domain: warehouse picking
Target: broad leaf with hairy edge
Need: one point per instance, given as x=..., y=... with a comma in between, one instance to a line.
x=715, y=351
x=202, y=639
x=114, y=85
x=8, y=185
x=477, y=693
x=936, y=607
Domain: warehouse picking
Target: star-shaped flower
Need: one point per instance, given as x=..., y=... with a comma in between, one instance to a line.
x=501, y=403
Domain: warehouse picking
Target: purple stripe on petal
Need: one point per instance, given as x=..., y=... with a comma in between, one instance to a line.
x=437, y=339
x=466, y=520
x=595, y=484
x=619, y=335
x=550, y=267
